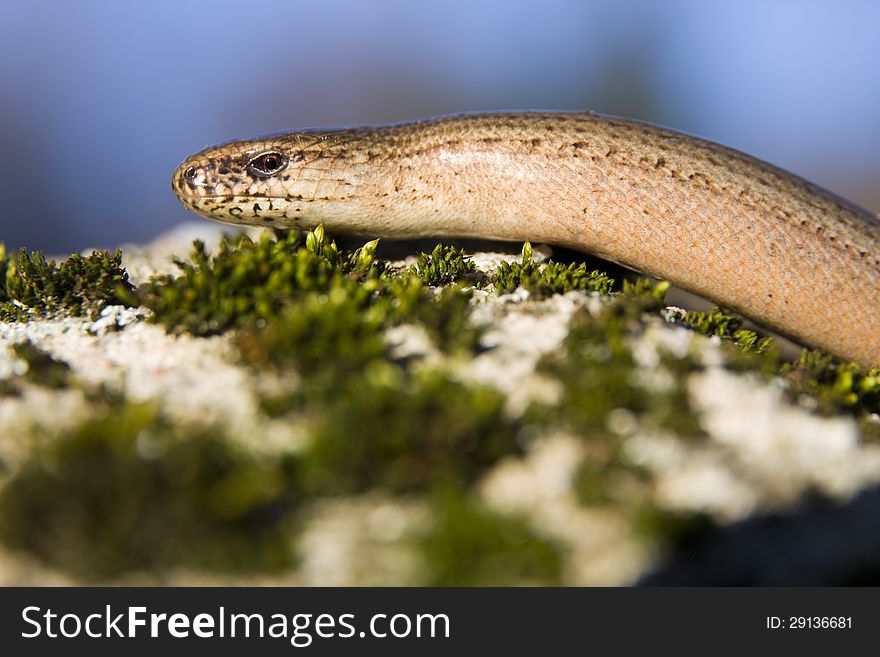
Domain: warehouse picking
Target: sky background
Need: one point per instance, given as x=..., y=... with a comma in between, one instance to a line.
x=100, y=100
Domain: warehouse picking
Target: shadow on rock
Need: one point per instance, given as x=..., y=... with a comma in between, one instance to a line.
x=820, y=544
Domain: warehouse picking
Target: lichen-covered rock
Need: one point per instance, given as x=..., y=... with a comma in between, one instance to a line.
x=275, y=408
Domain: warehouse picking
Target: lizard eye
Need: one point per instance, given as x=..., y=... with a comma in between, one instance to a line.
x=266, y=164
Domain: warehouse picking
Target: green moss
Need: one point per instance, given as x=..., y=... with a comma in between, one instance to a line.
x=599, y=378
x=728, y=327
x=329, y=339
x=603, y=471
x=248, y=282
x=834, y=386
x=643, y=295
x=746, y=350
x=443, y=266
x=336, y=333
x=715, y=322
x=551, y=278
x=598, y=372
x=469, y=545
x=79, y=285
x=127, y=491
x=837, y=387
x=404, y=432
x=447, y=320
x=43, y=369
x=595, y=368
x=606, y=478
x=559, y=278
x=288, y=281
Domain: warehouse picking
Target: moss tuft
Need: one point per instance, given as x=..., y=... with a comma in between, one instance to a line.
x=469, y=545
x=835, y=386
x=127, y=491
x=599, y=374
x=327, y=338
x=312, y=290
x=248, y=282
x=715, y=322
x=643, y=295
x=603, y=472
x=79, y=285
x=334, y=331
x=42, y=368
x=552, y=278
x=443, y=266
x=727, y=326
x=746, y=350
x=446, y=318
x=404, y=432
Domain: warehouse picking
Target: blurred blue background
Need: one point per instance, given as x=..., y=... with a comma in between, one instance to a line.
x=100, y=100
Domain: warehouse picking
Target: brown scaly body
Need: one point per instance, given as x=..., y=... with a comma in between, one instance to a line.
x=712, y=220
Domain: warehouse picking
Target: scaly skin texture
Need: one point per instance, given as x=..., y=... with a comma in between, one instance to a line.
x=712, y=220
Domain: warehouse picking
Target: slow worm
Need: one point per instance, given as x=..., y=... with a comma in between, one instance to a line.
x=738, y=231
